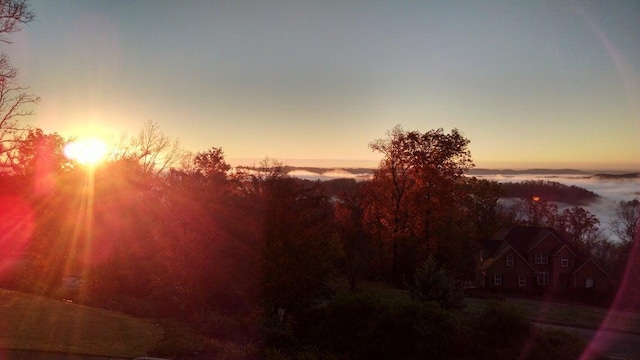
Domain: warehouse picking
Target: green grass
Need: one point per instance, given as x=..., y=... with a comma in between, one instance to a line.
x=36, y=323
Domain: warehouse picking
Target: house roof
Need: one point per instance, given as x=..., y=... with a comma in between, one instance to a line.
x=525, y=238
x=504, y=247
x=490, y=246
x=580, y=266
x=565, y=246
x=498, y=251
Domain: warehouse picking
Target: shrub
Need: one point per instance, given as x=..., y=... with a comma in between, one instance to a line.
x=339, y=325
x=432, y=283
x=363, y=327
x=279, y=334
x=415, y=331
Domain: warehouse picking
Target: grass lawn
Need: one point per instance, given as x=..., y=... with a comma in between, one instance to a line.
x=37, y=323
x=568, y=314
x=535, y=310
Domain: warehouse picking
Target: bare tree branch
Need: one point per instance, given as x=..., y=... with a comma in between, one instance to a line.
x=13, y=15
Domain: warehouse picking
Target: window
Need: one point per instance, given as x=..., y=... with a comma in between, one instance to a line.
x=564, y=262
x=509, y=260
x=589, y=283
x=541, y=259
x=543, y=278
x=497, y=279
x=522, y=280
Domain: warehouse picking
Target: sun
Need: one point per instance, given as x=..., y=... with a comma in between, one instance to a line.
x=86, y=151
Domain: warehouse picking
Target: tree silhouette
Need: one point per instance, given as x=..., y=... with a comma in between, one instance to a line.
x=14, y=99
x=414, y=186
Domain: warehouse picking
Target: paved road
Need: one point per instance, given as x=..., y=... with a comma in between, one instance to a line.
x=611, y=343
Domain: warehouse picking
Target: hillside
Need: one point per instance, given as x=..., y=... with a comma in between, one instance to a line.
x=549, y=191
x=41, y=324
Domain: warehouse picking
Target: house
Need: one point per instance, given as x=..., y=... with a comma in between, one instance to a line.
x=537, y=259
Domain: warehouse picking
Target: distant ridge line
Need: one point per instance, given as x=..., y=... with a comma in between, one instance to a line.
x=478, y=171
x=539, y=171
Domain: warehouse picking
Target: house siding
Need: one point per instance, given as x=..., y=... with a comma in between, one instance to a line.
x=562, y=276
x=523, y=244
x=545, y=247
x=590, y=271
x=510, y=274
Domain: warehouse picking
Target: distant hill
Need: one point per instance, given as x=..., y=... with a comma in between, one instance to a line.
x=481, y=171
x=549, y=191
x=334, y=184
x=472, y=172
x=618, y=176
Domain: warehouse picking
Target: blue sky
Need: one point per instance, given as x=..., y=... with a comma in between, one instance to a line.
x=531, y=84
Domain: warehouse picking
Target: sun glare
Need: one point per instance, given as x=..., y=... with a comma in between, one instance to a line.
x=88, y=151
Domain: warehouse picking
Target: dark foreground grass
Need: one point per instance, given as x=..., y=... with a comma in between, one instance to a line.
x=36, y=323
x=536, y=310
x=567, y=314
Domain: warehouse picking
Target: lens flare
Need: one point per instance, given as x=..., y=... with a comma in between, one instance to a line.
x=88, y=151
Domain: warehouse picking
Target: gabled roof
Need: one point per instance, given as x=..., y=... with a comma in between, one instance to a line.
x=563, y=247
x=594, y=263
x=525, y=238
x=497, y=254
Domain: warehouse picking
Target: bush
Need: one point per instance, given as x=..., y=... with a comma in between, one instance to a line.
x=279, y=334
x=415, y=331
x=434, y=284
x=338, y=325
x=363, y=327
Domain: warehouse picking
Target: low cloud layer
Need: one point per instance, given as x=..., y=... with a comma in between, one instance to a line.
x=611, y=191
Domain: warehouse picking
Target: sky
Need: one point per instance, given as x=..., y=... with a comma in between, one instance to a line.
x=530, y=83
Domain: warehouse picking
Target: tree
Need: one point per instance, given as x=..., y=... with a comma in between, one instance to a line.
x=13, y=15
x=40, y=153
x=414, y=186
x=297, y=238
x=356, y=245
x=211, y=163
x=482, y=207
x=625, y=222
x=580, y=228
x=626, y=226
x=536, y=212
x=151, y=148
x=14, y=99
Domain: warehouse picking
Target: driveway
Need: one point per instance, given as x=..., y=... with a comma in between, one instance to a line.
x=615, y=345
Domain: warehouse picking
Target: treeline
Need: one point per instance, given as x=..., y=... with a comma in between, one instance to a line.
x=549, y=191
x=248, y=255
